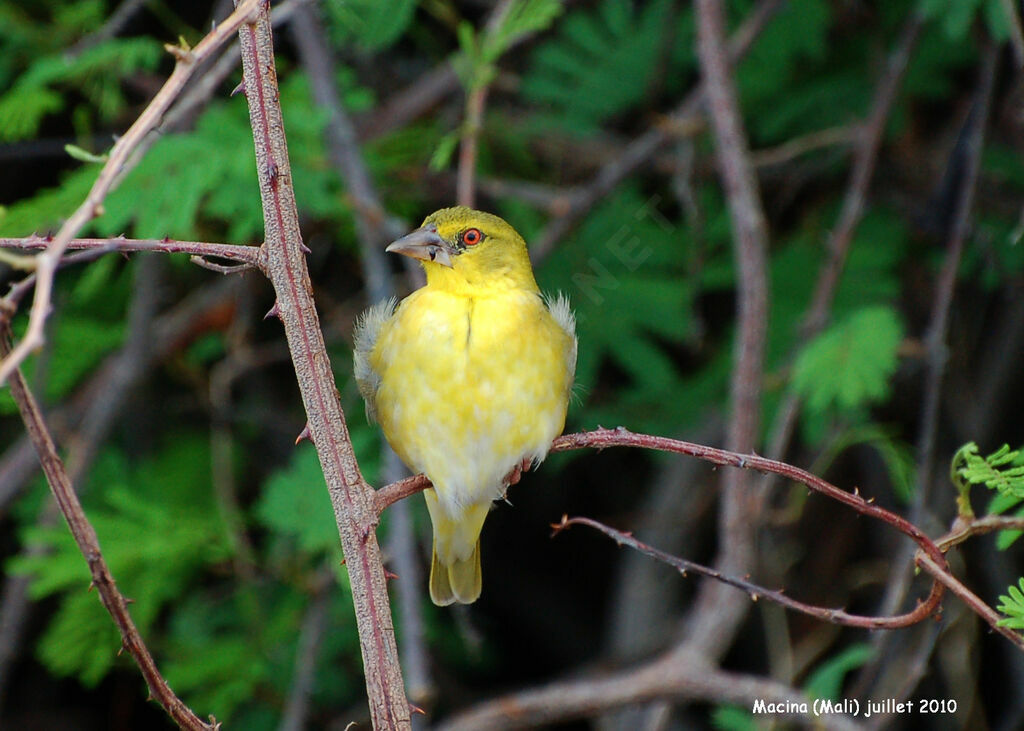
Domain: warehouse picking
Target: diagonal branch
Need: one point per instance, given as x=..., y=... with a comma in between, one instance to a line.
x=48, y=261
x=88, y=544
x=835, y=616
x=850, y=216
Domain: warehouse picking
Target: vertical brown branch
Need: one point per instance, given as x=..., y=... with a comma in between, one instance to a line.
x=716, y=616
x=351, y=496
x=465, y=188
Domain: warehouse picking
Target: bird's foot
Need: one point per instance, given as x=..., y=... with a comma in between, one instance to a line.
x=516, y=473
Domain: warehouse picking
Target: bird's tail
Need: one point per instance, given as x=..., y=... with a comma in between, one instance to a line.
x=455, y=566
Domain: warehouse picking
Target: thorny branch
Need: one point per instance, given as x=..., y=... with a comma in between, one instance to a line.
x=351, y=496
x=620, y=437
x=249, y=256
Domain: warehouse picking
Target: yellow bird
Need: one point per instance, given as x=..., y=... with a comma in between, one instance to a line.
x=469, y=378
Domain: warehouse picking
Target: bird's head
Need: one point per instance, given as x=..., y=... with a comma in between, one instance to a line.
x=462, y=248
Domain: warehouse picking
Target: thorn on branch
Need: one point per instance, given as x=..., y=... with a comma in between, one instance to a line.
x=413, y=708
x=240, y=89
x=390, y=574
x=275, y=311
x=304, y=434
x=557, y=528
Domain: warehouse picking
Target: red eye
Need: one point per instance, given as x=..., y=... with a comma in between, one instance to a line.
x=472, y=236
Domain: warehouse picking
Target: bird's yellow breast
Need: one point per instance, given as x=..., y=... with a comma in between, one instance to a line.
x=471, y=385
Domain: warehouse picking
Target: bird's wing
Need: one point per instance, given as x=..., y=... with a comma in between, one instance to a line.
x=364, y=337
x=558, y=306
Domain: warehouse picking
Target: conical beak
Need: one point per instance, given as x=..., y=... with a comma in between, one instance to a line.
x=423, y=243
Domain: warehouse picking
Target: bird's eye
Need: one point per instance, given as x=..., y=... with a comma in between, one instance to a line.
x=472, y=236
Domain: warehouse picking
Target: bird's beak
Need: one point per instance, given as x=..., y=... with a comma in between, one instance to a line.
x=424, y=243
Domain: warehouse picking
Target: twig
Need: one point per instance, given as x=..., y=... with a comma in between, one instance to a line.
x=351, y=496
x=47, y=262
x=465, y=189
x=18, y=290
x=88, y=544
x=213, y=266
x=247, y=255
x=476, y=99
x=405, y=561
x=835, y=616
x=963, y=529
x=810, y=142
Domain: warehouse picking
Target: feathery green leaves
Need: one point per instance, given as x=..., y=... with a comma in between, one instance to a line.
x=598, y=64
x=849, y=365
x=1012, y=605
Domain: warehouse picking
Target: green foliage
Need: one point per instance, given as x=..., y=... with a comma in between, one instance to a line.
x=957, y=16
x=732, y=718
x=96, y=73
x=1012, y=605
x=83, y=342
x=620, y=269
x=159, y=528
x=766, y=78
x=827, y=679
x=295, y=503
x=1001, y=471
x=478, y=53
x=597, y=64
x=373, y=25
x=170, y=194
x=849, y=365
